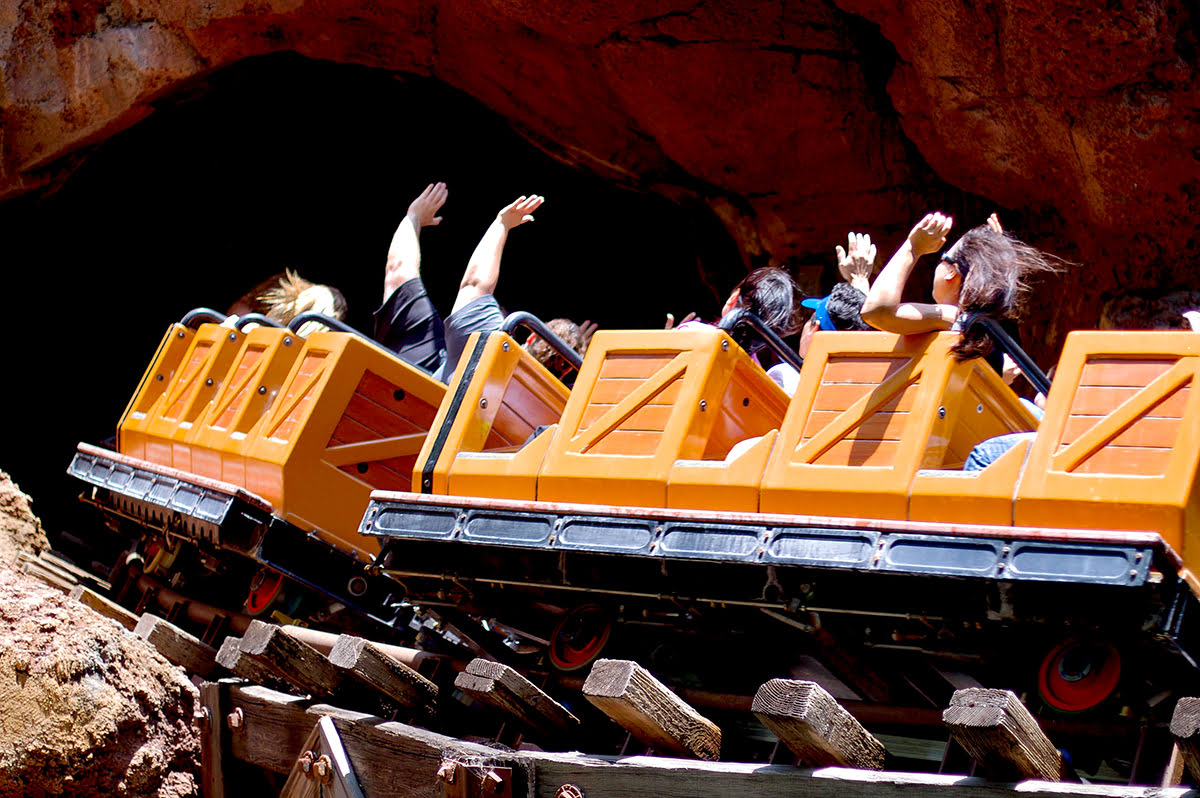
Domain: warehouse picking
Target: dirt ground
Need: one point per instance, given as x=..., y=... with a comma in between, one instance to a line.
x=86, y=707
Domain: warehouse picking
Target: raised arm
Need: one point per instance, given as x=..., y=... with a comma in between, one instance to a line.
x=483, y=270
x=857, y=261
x=884, y=309
x=404, y=253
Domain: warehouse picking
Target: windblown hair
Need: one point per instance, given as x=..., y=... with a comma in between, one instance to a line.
x=549, y=357
x=293, y=295
x=771, y=294
x=996, y=269
x=844, y=306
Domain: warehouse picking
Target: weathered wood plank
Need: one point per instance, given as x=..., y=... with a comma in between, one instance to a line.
x=107, y=608
x=229, y=656
x=179, y=647
x=640, y=703
x=1185, y=727
x=324, y=768
x=389, y=758
x=297, y=663
x=48, y=575
x=810, y=722
x=659, y=777
x=996, y=729
x=373, y=667
x=213, y=741
x=500, y=686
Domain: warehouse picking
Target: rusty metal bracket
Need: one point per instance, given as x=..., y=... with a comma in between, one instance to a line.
x=461, y=781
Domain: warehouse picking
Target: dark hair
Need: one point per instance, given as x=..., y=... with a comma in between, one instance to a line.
x=570, y=333
x=995, y=269
x=771, y=294
x=844, y=306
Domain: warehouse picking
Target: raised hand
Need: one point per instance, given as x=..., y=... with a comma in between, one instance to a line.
x=671, y=320
x=857, y=261
x=423, y=210
x=586, y=331
x=930, y=234
x=993, y=223
x=520, y=211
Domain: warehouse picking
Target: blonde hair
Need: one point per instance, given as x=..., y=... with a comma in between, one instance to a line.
x=293, y=295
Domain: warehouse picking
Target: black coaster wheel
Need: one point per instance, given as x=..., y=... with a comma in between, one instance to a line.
x=579, y=637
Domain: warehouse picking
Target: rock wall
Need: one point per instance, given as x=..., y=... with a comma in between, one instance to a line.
x=794, y=122
x=86, y=707
x=20, y=529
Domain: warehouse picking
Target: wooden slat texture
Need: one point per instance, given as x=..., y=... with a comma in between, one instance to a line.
x=611, y=391
x=840, y=396
x=389, y=758
x=884, y=425
x=1126, y=460
x=327, y=772
x=214, y=741
x=1185, y=727
x=627, y=442
x=637, y=366
x=109, y=609
x=298, y=663
x=866, y=370
x=1153, y=432
x=1124, y=372
x=810, y=722
x=398, y=760
x=654, y=777
x=996, y=729
x=1101, y=400
x=860, y=452
x=48, y=575
x=230, y=657
x=631, y=696
x=502, y=687
x=372, y=666
x=648, y=417
x=178, y=646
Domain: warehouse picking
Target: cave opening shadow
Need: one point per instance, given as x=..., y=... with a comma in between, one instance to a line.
x=282, y=162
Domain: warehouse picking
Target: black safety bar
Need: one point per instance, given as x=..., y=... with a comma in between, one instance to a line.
x=256, y=318
x=195, y=317
x=1037, y=378
x=339, y=325
x=741, y=316
x=535, y=325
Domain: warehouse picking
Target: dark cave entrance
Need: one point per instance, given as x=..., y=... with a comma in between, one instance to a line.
x=282, y=161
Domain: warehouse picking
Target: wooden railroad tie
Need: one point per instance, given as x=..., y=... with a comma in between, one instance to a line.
x=179, y=647
x=107, y=608
x=502, y=687
x=374, y=668
x=1185, y=727
x=296, y=663
x=996, y=729
x=230, y=657
x=817, y=729
x=644, y=706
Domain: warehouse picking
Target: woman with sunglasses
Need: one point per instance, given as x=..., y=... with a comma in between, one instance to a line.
x=986, y=271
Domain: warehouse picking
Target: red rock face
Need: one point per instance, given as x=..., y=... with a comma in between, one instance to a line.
x=1082, y=123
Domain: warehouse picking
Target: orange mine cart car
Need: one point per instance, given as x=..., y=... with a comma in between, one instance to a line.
x=1120, y=444
x=682, y=501
x=262, y=419
x=491, y=432
x=647, y=400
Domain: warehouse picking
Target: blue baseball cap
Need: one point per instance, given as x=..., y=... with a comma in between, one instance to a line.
x=818, y=307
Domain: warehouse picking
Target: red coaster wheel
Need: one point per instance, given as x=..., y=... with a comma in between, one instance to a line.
x=264, y=588
x=1079, y=675
x=579, y=637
